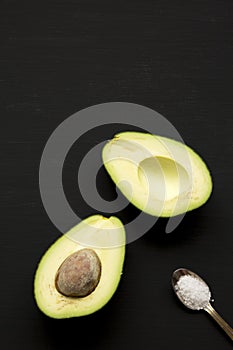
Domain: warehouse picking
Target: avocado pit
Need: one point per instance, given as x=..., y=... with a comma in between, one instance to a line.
x=79, y=274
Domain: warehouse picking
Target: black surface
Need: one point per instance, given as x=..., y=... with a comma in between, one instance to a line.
x=58, y=57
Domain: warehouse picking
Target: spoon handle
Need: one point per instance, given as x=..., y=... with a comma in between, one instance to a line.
x=223, y=324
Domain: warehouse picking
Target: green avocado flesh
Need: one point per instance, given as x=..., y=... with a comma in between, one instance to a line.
x=57, y=305
x=160, y=176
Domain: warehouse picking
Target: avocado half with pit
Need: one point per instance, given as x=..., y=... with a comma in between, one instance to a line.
x=159, y=175
x=77, y=279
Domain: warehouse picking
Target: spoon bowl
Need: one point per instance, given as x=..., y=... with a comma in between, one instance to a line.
x=175, y=278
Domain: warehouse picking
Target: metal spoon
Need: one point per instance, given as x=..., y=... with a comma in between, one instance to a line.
x=208, y=308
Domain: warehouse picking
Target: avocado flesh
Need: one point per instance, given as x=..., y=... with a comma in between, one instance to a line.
x=56, y=305
x=160, y=176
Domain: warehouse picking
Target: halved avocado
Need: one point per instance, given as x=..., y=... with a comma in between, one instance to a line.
x=160, y=176
x=76, y=279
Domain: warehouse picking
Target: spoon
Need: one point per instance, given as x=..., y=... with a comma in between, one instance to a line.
x=208, y=307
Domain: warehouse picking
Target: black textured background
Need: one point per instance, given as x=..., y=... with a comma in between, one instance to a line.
x=58, y=57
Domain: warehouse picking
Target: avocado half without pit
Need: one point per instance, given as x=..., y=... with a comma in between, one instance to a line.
x=160, y=176
x=73, y=279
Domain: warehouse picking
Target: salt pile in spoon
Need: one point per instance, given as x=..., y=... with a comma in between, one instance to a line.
x=194, y=292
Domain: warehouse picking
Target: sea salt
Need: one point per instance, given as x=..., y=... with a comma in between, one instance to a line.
x=194, y=292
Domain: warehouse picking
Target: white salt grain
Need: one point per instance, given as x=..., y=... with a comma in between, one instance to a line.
x=194, y=292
